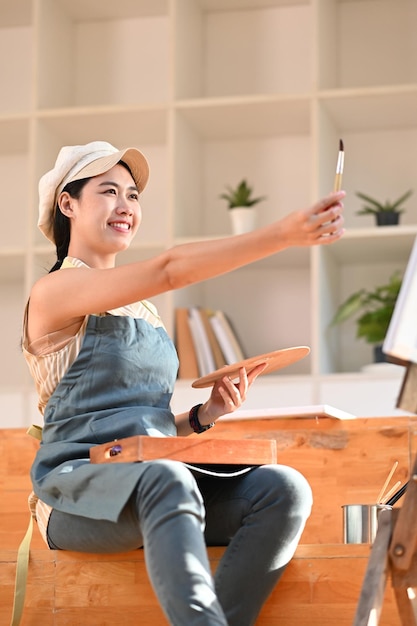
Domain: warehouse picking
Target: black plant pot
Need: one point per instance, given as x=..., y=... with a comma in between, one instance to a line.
x=387, y=218
x=379, y=356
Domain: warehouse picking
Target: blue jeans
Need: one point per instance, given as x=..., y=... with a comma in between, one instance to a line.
x=259, y=516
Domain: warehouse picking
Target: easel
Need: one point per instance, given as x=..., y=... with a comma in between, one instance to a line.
x=394, y=552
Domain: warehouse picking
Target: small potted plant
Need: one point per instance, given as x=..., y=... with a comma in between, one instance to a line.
x=375, y=309
x=386, y=214
x=241, y=205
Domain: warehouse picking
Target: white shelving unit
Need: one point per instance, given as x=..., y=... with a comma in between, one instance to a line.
x=211, y=91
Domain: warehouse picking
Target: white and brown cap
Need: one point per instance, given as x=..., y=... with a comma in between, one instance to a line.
x=77, y=162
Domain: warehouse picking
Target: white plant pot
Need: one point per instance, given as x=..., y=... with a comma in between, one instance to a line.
x=243, y=219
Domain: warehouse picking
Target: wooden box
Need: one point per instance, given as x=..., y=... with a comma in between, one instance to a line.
x=202, y=450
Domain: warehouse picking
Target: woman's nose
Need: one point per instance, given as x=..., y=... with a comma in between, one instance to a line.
x=123, y=207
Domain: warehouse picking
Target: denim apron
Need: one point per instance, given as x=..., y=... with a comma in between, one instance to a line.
x=120, y=385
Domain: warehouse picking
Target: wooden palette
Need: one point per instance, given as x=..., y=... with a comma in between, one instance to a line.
x=275, y=360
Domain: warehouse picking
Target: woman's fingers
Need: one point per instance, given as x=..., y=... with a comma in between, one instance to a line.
x=254, y=373
x=238, y=390
x=326, y=226
x=332, y=199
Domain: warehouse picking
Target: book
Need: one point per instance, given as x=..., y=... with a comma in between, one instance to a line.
x=201, y=343
x=218, y=355
x=230, y=346
x=205, y=341
x=188, y=366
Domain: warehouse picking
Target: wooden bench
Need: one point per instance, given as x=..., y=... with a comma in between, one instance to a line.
x=320, y=587
x=343, y=461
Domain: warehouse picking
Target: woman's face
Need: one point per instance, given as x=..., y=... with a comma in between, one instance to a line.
x=107, y=215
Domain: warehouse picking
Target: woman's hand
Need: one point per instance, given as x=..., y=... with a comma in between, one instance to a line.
x=320, y=224
x=227, y=395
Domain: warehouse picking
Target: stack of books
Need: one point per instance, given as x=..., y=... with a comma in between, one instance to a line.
x=205, y=341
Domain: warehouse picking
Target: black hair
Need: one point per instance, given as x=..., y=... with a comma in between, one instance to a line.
x=62, y=226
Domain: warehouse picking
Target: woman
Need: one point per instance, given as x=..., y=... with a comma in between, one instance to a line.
x=105, y=369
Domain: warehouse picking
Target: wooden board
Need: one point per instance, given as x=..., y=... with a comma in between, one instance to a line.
x=201, y=450
x=278, y=359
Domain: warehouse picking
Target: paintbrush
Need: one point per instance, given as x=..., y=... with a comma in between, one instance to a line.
x=339, y=167
x=397, y=495
x=390, y=493
x=386, y=483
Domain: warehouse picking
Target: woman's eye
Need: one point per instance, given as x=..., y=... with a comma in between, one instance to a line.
x=111, y=191
x=134, y=196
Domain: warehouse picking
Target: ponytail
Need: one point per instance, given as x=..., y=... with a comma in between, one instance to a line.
x=62, y=225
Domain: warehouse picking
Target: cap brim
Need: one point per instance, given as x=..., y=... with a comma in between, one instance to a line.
x=133, y=158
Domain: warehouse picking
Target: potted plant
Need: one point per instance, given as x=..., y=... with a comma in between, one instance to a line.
x=386, y=214
x=375, y=309
x=241, y=204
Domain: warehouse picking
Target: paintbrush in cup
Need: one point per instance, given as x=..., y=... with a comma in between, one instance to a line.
x=390, y=493
x=386, y=483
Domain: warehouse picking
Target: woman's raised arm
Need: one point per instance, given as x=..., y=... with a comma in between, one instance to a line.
x=63, y=296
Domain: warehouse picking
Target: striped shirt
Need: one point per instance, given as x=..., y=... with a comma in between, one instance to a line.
x=50, y=357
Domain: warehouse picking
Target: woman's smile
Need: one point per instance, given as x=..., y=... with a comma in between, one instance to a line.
x=121, y=226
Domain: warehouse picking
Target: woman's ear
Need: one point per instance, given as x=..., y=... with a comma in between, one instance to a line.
x=65, y=204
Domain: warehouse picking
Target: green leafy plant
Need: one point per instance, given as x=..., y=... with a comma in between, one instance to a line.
x=240, y=196
x=374, y=207
x=375, y=309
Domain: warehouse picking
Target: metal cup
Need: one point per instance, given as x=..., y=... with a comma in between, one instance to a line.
x=360, y=522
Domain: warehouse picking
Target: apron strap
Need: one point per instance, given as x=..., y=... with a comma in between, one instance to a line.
x=35, y=431
x=23, y=553
x=22, y=567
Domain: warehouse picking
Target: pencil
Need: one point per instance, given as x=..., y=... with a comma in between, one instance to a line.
x=339, y=167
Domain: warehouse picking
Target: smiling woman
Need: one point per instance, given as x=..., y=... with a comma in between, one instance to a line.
x=61, y=188
x=107, y=208
x=105, y=369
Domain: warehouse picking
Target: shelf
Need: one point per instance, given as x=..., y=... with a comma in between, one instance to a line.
x=250, y=299
x=15, y=75
x=374, y=245
x=225, y=49
x=98, y=58
x=122, y=125
x=381, y=162
x=376, y=108
x=204, y=165
x=249, y=116
x=14, y=174
x=12, y=277
x=234, y=5
x=87, y=10
x=367, y=43
x=14, y=134
x=359, y=261
x=12, y=266
x=14, y=14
